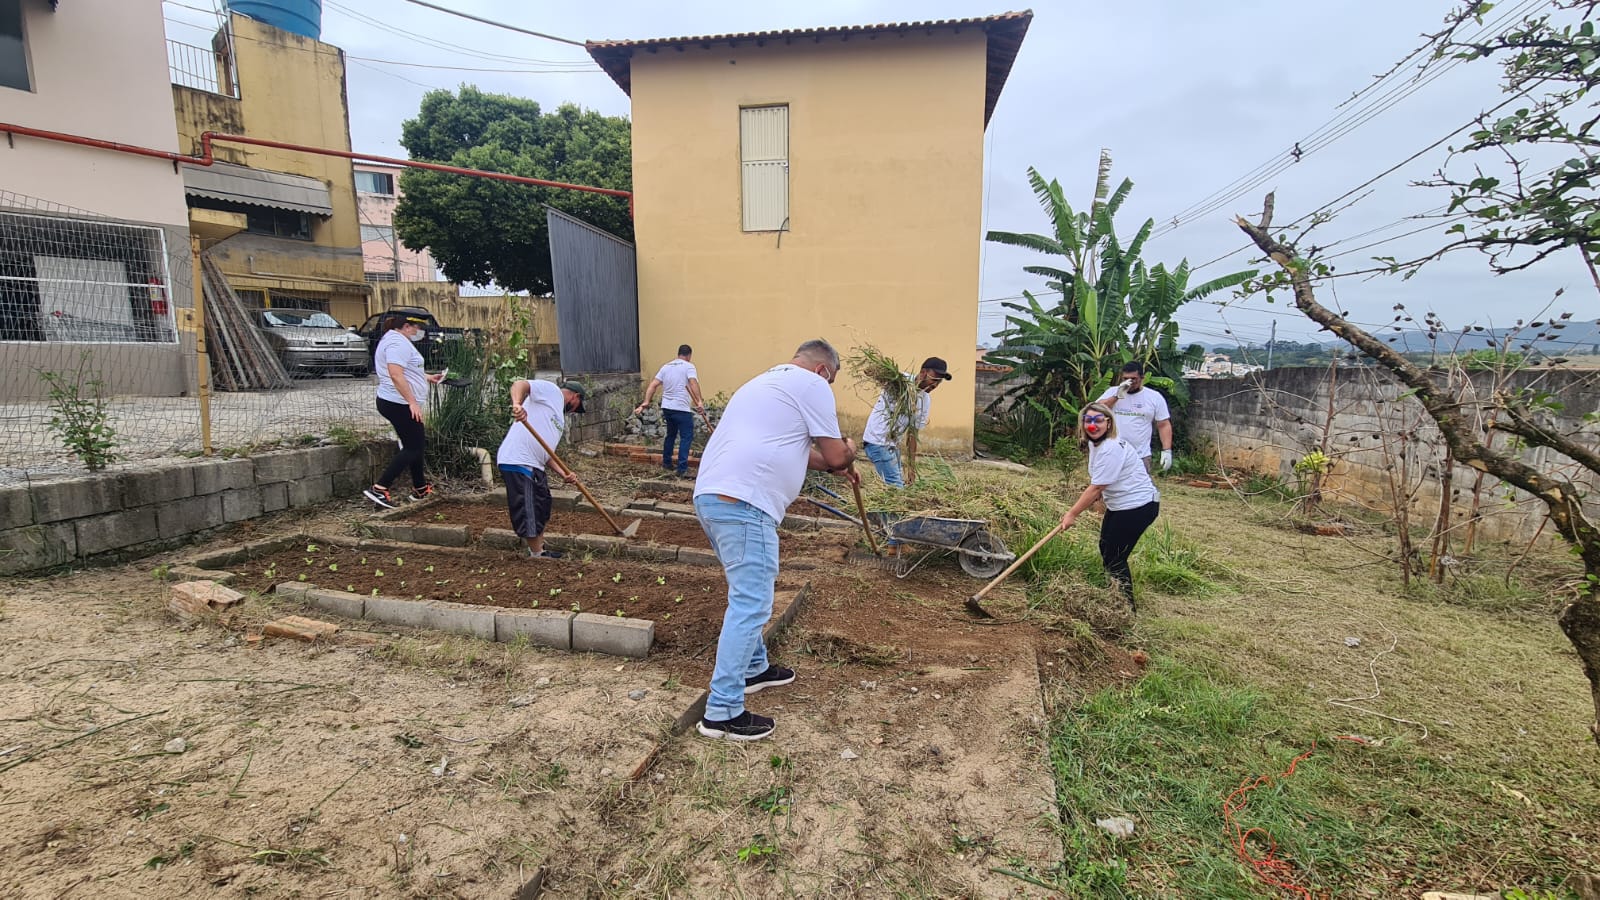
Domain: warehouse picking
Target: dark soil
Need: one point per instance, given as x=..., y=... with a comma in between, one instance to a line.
x=685, y=602
x=478, y=516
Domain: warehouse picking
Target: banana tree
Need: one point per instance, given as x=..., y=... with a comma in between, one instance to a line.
x=1113, y=308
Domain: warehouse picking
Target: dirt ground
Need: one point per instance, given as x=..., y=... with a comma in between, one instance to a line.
x=908, y=757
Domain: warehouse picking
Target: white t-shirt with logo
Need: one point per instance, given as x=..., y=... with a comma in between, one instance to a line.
x=1137, y=414
x=760, y=448
x=881, y=431
x=1117, y=464
x=546, y=407
x=394, y=348
x=674, y=378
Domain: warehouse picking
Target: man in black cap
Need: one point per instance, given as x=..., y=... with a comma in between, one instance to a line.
x=882, y=434
x=544, y=406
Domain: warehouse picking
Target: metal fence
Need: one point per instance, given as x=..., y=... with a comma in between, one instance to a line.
x=98, y=355
x=200, y=68
x=597, y=297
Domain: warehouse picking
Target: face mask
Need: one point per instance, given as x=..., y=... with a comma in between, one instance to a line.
x=415, y=337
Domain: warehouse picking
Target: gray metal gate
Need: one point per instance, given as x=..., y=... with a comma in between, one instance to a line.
x=597, y=297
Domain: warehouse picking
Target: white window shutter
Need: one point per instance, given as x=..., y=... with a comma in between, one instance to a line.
x=764, y=160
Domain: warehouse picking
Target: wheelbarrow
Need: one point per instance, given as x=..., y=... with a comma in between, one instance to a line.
x=979, y=553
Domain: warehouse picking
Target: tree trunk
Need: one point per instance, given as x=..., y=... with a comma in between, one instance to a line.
x=1562, y=498
x=1581, y=622
x=1441, y=526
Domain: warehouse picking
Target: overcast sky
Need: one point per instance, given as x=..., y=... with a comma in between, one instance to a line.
x=1190, y=98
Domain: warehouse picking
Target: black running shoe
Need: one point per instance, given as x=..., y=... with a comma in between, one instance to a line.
x=746, y=726
x=380, y=495
x=774, y=676
x=543, y=554
x=422, y=493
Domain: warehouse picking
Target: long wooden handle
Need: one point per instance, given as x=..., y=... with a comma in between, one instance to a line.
x=549, y=451
x=861, y=508
x=1018, y=564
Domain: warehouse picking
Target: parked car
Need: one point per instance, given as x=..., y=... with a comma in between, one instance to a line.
x=435, y=337
x=309, y=341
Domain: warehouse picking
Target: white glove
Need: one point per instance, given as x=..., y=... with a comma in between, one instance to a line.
x=1122, y=389
x=1166, y=460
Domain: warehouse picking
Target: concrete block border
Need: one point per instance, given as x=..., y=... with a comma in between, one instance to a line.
x=555, y=629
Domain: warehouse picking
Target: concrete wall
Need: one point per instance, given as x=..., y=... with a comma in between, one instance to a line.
x=291, y=89
x=99, y=69
x=885, y=189
x=123, y=515
x=1266, y=422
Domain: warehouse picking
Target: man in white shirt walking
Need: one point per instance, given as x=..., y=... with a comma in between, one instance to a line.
x=880, y=439
x=1139, y=409
x=680, y=394
x=522, y=461
x=779, y=424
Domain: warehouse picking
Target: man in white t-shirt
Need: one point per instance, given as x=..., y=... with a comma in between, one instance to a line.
x=680, y=396
x=881, y=436
x=1140, y=410
x=779, y=424
x=543, y=405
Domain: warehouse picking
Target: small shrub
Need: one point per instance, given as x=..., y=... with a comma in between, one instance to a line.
x=80, y=417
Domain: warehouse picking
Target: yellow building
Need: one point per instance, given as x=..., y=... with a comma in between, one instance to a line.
x=302, y=243
x=821, y=182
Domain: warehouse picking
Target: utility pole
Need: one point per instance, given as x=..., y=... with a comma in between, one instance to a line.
x=1271, y=342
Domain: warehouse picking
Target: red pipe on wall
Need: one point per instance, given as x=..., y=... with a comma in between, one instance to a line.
x=207, y=157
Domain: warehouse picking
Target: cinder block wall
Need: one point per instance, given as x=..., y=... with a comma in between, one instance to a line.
x=133, y=512
x=1265, y=422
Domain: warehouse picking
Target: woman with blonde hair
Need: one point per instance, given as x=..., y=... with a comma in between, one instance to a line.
x=1116, y=475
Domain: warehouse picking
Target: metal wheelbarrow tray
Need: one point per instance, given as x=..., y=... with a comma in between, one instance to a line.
x=980, y=553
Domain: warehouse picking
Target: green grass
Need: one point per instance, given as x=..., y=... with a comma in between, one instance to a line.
x=1501, y=794
x=1166, y=750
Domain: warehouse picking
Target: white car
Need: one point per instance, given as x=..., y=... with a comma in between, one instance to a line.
x=309, y=341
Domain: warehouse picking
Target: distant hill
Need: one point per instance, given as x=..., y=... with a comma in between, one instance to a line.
x=1578, y=337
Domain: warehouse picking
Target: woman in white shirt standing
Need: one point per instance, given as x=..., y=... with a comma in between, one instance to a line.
x=1116, y=475
x=402, y=392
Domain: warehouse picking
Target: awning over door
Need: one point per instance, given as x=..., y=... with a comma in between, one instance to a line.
x=258, y=187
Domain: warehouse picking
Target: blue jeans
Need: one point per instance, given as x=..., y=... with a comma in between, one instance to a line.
x=746, y=542
x=679, y=423
x=886, y=459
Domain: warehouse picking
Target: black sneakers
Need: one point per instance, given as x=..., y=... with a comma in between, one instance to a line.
x=746, y=726
x=774, y=676
x=422, y=493
x=545, y=554
x=380, y=495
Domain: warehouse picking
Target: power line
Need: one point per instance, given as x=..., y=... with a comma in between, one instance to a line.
x=1332, y=130
x=537, y=34
x=394, y=62
x=439, y=44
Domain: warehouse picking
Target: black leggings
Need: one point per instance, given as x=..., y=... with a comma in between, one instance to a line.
x=413, y=442
x=1119, y=533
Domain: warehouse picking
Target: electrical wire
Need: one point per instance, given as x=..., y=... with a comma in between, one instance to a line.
x=537, y=34
x=438, y=44
x=1335, y=129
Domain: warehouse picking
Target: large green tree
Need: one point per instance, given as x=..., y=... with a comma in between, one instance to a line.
x=1114, y=308
x=483, y=230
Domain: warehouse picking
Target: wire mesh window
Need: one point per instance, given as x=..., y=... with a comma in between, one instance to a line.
x=383, y=233
x=286, y=300
x=83, y=281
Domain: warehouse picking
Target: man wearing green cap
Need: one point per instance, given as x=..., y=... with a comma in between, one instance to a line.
x=543, y=405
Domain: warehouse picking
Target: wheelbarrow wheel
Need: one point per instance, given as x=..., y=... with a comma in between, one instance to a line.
x=979, y=566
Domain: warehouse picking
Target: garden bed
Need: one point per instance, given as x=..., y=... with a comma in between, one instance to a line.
x=685, y=603
x=479, y=515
